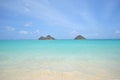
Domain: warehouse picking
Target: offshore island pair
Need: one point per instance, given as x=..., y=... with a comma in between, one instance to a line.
x=49, y=37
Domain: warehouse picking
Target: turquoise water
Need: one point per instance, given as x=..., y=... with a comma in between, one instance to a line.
x=101, y=56
x=57, y=48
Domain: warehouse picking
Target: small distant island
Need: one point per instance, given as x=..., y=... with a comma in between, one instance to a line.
x=79, y=37
x=49, y=37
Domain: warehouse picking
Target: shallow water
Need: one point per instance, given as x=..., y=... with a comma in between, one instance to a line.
x=59, y=59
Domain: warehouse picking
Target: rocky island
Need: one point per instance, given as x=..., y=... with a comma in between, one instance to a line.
x=48, y=37
x=79, y=37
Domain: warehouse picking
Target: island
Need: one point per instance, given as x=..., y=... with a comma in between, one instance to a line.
x=79, y=37
x=48, y=37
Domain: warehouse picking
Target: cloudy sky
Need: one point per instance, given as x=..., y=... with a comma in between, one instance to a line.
x=63, y=19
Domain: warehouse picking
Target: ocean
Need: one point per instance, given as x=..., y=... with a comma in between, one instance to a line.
x=59, y=59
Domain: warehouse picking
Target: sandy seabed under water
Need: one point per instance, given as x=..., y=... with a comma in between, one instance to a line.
x=50, y=70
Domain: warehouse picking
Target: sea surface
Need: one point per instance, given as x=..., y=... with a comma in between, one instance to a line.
x=59, y=59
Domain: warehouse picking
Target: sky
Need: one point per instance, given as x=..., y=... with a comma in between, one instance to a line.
x=62, y=19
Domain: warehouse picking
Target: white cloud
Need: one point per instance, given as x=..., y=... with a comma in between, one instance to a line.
x=36, y=32
x=9, y=28
x=23, y=32
x=28, y=24
x=117, y=31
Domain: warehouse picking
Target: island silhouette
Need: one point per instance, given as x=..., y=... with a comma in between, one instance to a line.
x=49, y=37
